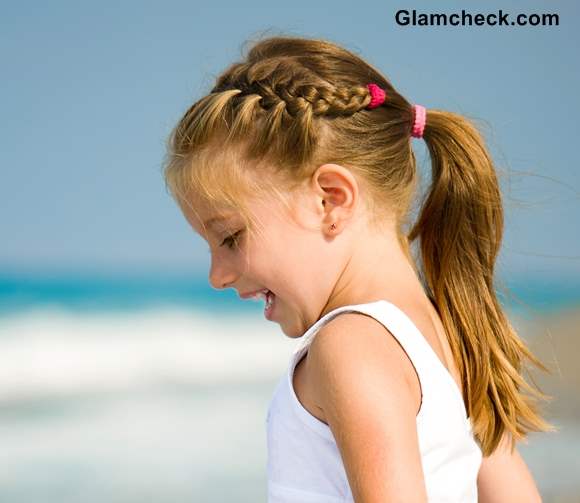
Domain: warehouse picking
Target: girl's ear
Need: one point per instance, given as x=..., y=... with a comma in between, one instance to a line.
x=339, y=191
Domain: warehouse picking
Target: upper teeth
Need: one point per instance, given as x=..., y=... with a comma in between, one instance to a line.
x=261, y=295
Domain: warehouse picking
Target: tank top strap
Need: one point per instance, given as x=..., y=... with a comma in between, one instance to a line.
x=430, y=370
x=387, y=314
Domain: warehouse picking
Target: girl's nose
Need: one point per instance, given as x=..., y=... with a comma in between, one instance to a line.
x=221, y=275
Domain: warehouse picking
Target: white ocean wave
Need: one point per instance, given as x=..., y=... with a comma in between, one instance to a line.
x=54, y=353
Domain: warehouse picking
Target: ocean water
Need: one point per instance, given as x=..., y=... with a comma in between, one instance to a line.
x=125, y=292
x=132, y=389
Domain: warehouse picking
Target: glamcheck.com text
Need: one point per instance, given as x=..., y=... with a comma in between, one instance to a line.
x=500, y=18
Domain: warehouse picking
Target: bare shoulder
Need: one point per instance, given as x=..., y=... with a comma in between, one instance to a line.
x=354, y=339
x=504, y=477
x=360, y=381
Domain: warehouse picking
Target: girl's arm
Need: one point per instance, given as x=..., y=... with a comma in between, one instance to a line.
x=360, y=379
x=504, y=477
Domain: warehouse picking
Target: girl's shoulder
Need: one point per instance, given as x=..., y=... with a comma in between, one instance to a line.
x=356, y=350
x=354, y=368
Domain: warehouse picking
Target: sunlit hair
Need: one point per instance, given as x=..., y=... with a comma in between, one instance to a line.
x=294, y=104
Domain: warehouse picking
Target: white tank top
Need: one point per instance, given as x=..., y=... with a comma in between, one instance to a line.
x=303, y=461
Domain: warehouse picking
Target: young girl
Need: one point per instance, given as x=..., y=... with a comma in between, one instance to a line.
x=298, y=171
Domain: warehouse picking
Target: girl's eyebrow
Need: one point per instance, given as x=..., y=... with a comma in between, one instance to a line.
x=211, y=221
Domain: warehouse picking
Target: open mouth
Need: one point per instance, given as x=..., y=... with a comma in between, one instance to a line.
x=269, y=297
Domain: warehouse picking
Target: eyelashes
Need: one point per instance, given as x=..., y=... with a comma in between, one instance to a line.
x=232, y=240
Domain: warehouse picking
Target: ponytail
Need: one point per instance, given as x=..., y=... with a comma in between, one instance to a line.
x=460, y=227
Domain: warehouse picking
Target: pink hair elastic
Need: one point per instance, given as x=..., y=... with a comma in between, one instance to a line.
x=378, y=96
x=420, y=116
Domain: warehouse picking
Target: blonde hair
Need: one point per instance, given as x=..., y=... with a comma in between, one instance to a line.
x=294, y=104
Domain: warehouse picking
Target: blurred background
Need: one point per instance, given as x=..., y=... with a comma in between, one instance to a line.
x=124, y=377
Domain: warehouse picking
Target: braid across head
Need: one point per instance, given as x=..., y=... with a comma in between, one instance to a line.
x=293, y=104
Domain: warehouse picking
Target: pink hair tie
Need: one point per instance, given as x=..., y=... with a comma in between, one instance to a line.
x=420, y=117
x=378, y=96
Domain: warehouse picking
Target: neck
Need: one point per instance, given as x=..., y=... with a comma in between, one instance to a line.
x=377, y=268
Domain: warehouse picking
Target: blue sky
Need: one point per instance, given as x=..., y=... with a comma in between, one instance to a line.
x=90, y=92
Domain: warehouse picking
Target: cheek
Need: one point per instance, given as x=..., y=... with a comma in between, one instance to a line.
x=299, y=263
x=283, y=252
